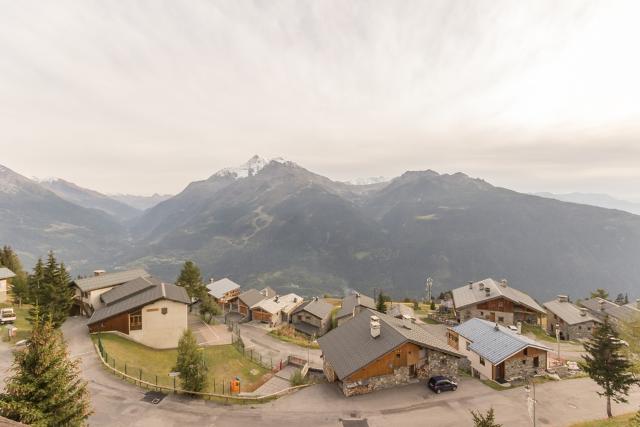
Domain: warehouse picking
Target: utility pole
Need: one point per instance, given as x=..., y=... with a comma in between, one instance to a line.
x=531, y=400
x=428, y=287
x=558, y=339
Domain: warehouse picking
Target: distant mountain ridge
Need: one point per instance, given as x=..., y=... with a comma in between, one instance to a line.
x=90, y=198
x=596, y=199
x=276, y=223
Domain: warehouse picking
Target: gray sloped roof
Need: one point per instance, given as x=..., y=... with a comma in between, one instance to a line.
x=220, y=287
x=319, y=308
x=148, y=296
x=623, y=313
x=128, y=289
x=5, y=273
x=351, y=301
x=494, y=346
x=108, y=279
x=465, y=296
x=350, y=347
x=268, y=292
x=251, y=297
x=568, y=312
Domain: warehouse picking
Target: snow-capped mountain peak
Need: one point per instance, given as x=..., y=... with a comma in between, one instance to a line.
x=250, y=168
x=368, y=181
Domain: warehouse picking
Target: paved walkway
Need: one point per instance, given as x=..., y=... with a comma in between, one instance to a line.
x=256, y=338
x=209, y=335
x=280, y=381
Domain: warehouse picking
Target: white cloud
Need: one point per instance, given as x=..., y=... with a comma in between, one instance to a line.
x=145, y=96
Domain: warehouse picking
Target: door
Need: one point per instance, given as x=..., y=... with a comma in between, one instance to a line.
x=500, y=372
x=492, y=317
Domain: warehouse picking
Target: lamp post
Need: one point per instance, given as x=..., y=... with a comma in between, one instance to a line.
x=531, y=400
x=558, y=338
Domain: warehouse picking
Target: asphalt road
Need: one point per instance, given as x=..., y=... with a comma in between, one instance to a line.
x=117, y=403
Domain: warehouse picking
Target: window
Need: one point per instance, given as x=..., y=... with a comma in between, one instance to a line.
x=397, y=355
x=482, y=361
x=536, y=362
x=524, y=361
x=579, y=327
x=525, y=351
x=468, y=345
x=482, y=313
x=135, y=320
x=501, y=319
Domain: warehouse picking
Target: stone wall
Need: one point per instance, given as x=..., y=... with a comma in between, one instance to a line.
x=515, y=368
x=435, y=363
x=329, y=372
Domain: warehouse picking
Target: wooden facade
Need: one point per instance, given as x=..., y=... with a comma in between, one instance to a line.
x=119, y=323
x=263, y=316
x=407, y=354
x=499, y=304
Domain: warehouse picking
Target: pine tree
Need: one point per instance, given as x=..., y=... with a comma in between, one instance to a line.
x=50, y=286
x=482, y=420
x=191, y=279
x=607, y=364
x=380, y=305
x=45, y=388
x=190, y=363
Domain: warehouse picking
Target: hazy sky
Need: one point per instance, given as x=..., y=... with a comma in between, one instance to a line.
x=146, y=96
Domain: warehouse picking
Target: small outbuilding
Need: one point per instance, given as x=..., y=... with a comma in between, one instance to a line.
x=571, y=321
x=312, y=318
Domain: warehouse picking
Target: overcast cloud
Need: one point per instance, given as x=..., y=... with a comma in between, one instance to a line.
x=146, y=96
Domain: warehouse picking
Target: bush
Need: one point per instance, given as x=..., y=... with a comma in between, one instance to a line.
x=297, y=378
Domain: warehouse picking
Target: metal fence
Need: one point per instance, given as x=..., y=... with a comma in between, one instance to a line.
x=160, y=383
x=254, y=354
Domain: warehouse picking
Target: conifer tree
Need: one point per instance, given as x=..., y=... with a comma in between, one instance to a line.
x=190, y=363
x=45, y=388
x=482, y=420
x=607, y=364
x=380, y=305
x=191, y=279
x=52, y=293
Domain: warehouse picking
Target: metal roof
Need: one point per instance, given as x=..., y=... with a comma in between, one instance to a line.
x=351, y=301
x=128, y=289
x=5, y=273
x=472, y=294
x=152, y=294
x=568, y=312
x=220, y=287
x=317, y=307
x=491, y=344
x=350, y=346
x=108, y=279
x=279, y=303
x=251, y=297
x=619, y=312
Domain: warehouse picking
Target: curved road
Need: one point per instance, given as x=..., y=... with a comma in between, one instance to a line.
x=117, y=403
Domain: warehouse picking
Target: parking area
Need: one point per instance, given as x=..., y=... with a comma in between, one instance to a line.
x=209, y=335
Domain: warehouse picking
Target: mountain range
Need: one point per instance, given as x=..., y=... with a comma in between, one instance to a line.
x=276, y=223
x=596, y=199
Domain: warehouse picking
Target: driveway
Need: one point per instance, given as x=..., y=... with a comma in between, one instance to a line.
x=209, y=335
x=117, y=403
x=255, y=337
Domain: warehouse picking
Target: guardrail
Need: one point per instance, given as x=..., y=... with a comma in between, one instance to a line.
x=209, y=396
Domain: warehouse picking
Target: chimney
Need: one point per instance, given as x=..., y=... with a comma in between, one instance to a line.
x=563, y=298
x=97, y=273
x=375, y=326
x=601, y=302
x=583, y=312
x=519, y=326
x=470, y=285
x=504, y=283
x=315, y=298
x=357, y=299
x=406, y=321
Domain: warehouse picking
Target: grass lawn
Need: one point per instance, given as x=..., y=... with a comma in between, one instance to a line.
x=225, y=362
x=538, y=332
x=429, y=320
x=23, y=325
x=297, y=339
x=619, y=421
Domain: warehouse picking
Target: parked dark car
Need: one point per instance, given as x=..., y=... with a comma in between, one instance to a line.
x=440, y=384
